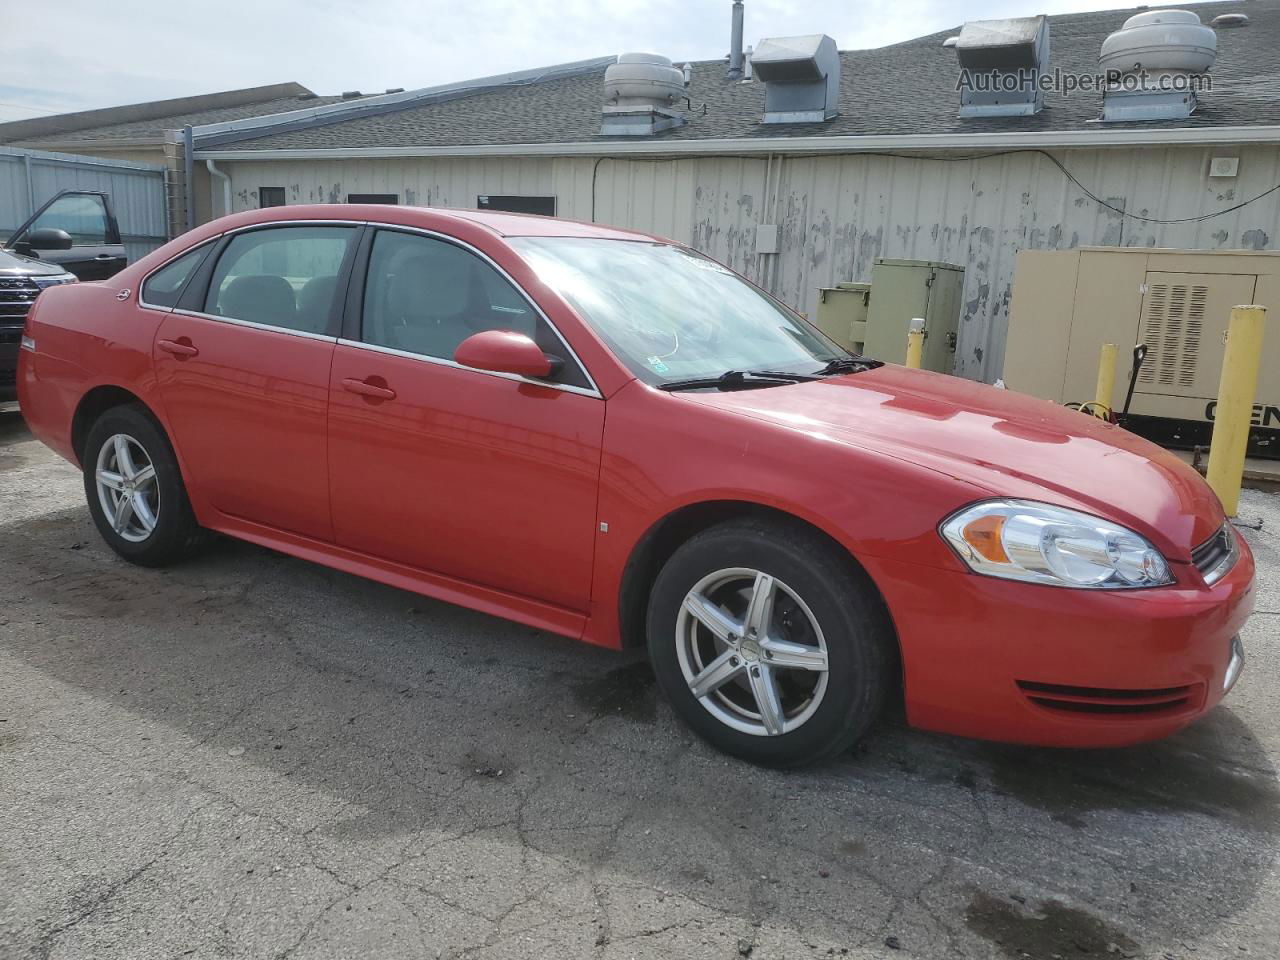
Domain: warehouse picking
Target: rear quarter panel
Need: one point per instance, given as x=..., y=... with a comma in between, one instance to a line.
x=85, y=338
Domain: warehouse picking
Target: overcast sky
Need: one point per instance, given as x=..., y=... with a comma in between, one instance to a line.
x=97, y=53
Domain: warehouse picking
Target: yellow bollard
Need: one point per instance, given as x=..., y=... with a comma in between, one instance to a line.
x=915, y=343
x=1106, y=382
x=1236, y=392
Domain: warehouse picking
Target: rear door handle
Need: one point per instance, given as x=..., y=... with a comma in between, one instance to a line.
x=366, y=389
x=177, y=348
x=106, y=256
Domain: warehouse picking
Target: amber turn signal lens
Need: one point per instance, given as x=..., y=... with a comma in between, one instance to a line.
x=983, y=535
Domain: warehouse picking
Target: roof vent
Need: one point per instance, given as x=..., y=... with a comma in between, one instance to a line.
x=1001, y=64
x=1230, y=20
x=801, y=78
x=351, y=94
x=640, y=90
x=1151, y=63
x=393, y=90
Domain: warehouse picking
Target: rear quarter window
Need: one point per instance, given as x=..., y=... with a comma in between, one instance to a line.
x=165, y=286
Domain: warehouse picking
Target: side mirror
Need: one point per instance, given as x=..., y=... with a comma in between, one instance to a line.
x=45, y=238
x=505, y=351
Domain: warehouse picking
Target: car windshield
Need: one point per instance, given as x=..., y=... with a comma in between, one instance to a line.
x=673, y=315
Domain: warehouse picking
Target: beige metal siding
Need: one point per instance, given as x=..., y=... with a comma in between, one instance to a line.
x=838, y=213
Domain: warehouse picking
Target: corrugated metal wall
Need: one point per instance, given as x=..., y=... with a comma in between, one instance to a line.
x=30, y=177
x=838, y=213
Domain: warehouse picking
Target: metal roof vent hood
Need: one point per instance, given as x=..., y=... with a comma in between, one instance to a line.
x=1151, y=63
x=801, y=78
x=640, y=90
x=1001, y=63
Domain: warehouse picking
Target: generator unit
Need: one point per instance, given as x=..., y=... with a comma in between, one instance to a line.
x=874, y=318
x=1067, y=304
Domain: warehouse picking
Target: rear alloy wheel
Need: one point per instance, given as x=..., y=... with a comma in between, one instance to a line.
x=127, y=488
x=135, y=490
x=770, y=642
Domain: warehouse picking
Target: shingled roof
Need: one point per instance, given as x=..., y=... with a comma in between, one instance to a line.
x=149, y=122
x=903, y=89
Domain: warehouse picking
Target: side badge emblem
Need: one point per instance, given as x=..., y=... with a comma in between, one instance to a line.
x=123, y=294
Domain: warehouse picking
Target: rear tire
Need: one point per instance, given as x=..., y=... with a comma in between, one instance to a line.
x=754, y=612
x=135, y=491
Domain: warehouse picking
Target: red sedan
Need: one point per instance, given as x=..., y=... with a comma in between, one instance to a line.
x=612, y=437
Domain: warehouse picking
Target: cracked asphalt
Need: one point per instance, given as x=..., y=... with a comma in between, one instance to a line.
x=251, y=756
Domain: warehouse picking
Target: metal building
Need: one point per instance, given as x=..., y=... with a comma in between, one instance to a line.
x=802, y=170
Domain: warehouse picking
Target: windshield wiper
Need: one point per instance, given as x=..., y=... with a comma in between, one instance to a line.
x=849, y=365
x=737, y=380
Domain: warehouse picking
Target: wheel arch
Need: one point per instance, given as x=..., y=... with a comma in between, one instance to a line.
x=93, y=405
x=665, y=536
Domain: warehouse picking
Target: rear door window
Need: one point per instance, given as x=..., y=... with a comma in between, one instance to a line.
x=283, y=277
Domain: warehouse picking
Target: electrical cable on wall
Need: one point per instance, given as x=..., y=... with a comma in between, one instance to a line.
x=1062, y=167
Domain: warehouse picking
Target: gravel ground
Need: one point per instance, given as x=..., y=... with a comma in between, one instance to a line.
x=251, y=756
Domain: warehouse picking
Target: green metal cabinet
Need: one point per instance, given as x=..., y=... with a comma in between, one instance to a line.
x=904, y=289
x=842, y=314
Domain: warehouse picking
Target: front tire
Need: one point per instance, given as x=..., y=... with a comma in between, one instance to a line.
x=135, y=490
x=769, y=642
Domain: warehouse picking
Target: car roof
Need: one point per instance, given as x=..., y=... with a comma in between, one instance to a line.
x=501, y=223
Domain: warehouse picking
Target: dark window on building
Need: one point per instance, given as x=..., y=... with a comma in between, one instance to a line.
x=544, y=206
x=390, y=198
x=271, y=196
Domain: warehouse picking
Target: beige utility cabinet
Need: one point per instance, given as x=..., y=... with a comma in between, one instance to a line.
x=1067, y=304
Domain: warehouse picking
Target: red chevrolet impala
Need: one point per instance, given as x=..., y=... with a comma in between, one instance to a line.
x=611, y=437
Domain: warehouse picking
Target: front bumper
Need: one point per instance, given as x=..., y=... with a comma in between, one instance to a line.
x=1024, y=663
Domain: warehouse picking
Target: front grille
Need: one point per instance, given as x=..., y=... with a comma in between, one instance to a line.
x=16, y=296
x=1217, y=555
x=10, y=335
x=1107, y=701
x=8, y=377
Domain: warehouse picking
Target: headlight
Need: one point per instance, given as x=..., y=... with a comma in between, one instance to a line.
x=1037, y=543
x=54, y=280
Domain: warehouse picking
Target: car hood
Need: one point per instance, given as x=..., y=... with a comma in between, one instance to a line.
x=1007, y=443
x=15, y=265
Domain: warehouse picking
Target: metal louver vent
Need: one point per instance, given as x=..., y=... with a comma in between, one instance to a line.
x=1174, y=323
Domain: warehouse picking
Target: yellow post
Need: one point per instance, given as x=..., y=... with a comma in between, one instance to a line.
x=1236, y=391
x=915, y=343
x=1106, y=382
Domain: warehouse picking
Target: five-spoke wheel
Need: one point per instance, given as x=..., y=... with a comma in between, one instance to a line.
x=127, y=487
x=770, y=641
x=134, y=488
x=751, y=651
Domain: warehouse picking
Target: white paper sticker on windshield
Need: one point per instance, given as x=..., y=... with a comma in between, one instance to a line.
x=702, y=263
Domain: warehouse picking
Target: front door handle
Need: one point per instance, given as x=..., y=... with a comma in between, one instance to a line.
x=179, y=348
x=106, y=256
x=366, y=389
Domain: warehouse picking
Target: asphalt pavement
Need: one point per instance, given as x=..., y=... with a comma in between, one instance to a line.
x=252, y=756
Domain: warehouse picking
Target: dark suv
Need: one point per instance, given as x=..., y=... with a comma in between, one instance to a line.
x=74, y=236
x=21, y=279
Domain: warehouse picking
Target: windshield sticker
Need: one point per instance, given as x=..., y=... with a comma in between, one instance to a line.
x=657, y=364
x=702, y=263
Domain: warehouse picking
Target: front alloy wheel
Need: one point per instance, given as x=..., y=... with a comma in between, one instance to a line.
x=770, y=641
x=752, y=652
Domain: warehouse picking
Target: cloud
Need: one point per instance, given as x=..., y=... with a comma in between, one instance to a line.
x=135, y=50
